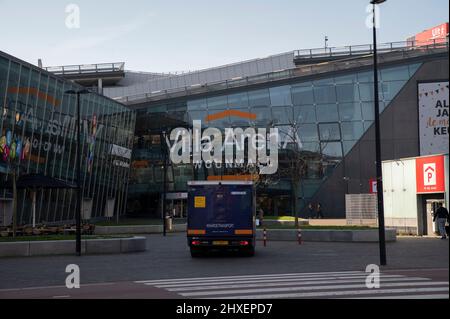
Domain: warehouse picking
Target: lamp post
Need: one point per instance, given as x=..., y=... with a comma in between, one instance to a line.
x=381, y=226
x=78, y=159
x=164, y=195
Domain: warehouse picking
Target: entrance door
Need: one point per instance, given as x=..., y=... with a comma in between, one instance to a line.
x=432, y=206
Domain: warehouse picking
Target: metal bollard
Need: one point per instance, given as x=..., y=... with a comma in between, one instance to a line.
x=265, y=237
x=299, y=236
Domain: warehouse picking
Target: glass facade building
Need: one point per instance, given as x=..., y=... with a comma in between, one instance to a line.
x=329, y=113
x=38, y=135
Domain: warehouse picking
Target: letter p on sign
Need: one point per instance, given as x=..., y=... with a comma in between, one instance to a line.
x=429, y=174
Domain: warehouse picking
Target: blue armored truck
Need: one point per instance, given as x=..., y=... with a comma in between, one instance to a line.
x=221, y=217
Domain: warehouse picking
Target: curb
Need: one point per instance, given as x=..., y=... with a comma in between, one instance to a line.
x=141, y=229
x=67, y=247
x=344, y=236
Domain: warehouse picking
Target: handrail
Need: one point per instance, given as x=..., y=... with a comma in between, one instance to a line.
x=86, y=68
x=342, y=64
x=363, y=49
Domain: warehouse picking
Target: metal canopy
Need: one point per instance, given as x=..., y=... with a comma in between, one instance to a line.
x=40, y=181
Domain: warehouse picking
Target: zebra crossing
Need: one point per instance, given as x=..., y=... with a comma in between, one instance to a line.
x=334, y=285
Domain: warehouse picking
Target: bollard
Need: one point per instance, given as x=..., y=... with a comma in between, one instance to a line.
x=299, y=236
x=265, y=237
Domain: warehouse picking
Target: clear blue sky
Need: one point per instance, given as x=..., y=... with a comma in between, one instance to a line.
x=175, y=35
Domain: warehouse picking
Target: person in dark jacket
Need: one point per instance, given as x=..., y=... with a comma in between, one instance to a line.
x=319, y=213
x=310, y=210
x=441, y=215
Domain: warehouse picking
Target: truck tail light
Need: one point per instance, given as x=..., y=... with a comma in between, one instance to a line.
x=196, y=243
x=243, y=243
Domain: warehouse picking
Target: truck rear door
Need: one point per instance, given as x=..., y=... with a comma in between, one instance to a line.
x=221, y=210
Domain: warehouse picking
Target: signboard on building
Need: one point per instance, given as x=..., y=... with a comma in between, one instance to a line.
x=430, y=174
x=373, y=186
x=433, y=118
x=437, y=34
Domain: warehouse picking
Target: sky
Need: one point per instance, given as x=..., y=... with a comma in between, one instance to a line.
x=183, y=35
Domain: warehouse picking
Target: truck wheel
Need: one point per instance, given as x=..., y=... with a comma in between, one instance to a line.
x=250, y=252
x=196, y=253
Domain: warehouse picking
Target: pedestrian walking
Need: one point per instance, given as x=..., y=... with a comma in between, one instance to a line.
x=441, y=215
x=319, y=213
x=310, y=210
x=261, y=216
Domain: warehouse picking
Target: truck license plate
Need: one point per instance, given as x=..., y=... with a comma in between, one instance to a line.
x=220, y=243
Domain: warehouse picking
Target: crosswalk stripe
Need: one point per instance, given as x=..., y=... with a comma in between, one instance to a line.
x=335, y=293
x=309, y=288
x=162, y=281
x=290, y=283
x=261, y=280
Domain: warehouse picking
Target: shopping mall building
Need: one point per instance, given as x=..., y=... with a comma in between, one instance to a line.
x=321, y=101
x=38, y=136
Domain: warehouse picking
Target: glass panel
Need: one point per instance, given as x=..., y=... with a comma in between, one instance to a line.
x=217, y=103
x=350, y=111
x=391, y=89
x=280, y=96
x=238, y=100
x=305, y=114
x=347, y=93
x=197, y=115
x=367, y=125
x=324, y=82
x=220, y=123
x=346, y=79
x=308, y=133
x=264, y=115
x=283, y=115
x=196, y=105
x=333, y=149
x=302, y=94
x=329, y=132
x=413, y=69
x=325, y=94
x=259, y=98
x=365, y=77
x=368, y=111
x=352, y=130
x=313, y=147
x=366, y=92
x=348, y=145
x=327, y=113
x=395, y=74
x=240, y=122
x=157, y=109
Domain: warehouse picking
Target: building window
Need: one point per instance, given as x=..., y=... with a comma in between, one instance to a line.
x=308, y=133
x=302, y=94
x=330, y=132
x=281, y=96
x=259, y=98
x=350, y=111
x=327, y=113
x=305, y=114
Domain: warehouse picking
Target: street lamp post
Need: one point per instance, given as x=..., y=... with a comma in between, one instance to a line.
x=79, y=187
x=381, y=225
x=164, y=197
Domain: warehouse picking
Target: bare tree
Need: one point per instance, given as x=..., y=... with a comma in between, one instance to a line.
x=295, y=161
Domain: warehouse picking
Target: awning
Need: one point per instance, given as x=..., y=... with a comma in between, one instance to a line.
x=39, y=181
